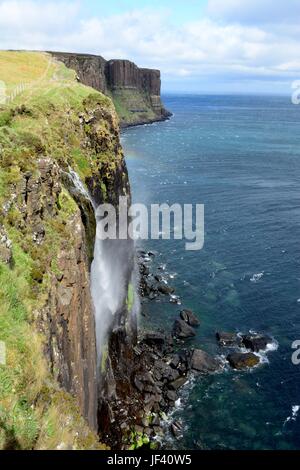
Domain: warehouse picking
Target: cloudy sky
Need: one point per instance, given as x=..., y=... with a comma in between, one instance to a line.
x=200, y=45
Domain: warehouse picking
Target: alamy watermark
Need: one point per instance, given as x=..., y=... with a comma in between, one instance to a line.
x=296, y=354
x=2, y=353
x=159, y=221
x=296, y=92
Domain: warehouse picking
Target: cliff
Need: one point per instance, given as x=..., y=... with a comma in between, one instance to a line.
x=52, y=131
x=136, y=92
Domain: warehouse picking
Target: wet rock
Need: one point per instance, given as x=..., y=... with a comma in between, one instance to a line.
x=158, y=431
x=203, y=362
x=176, y=429
x=175, y=361
x=171, y=395
x=256, y=342
x=228, y=339
x=189, y=317
x=165, y=289
x=242, y=360
x=155, y=421
x=182, y=330
x=157, y=340
x=175, y=299
x=178, y=383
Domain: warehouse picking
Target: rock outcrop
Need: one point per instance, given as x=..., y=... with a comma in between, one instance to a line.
x=136, y=92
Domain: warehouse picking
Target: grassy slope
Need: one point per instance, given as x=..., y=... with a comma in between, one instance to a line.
x=42, y=120
x=132, y=107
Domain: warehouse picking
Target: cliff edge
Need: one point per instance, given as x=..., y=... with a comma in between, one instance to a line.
x=136, y=92
x=54, y=132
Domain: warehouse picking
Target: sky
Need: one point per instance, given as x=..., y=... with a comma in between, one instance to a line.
x=200, y=46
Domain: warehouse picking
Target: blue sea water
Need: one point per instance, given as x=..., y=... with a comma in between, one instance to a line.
x=240, y=157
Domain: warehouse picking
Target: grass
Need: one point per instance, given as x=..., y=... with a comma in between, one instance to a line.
x=49, y=118
x=132, y=107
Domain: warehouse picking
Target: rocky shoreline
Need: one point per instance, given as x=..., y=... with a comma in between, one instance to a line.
x=164, y=363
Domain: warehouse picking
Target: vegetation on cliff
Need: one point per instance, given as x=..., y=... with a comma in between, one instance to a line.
x=51, y=123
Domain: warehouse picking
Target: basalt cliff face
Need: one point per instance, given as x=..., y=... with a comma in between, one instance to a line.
x=136, y=92
x=59, y=140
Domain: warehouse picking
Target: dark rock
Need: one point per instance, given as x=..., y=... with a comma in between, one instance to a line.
x=171, y=395
x=152, y=295
x=242, y=360
x=155, y=421
x=158, y=431
x=165, y=289
x=178, y=383
x=175, y=361
x=228, y=339
x=203, y=362
x=113, y=77
x=156, y=340
x=176, y=429
x=189, y=317
x=148, y=431
x=139, y=429
x=256, y=342
x=182, y=330
x=138, y=384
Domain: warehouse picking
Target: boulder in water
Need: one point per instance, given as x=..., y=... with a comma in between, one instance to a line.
x=182, y=330
x=189, y=317
x=176, y=429
x=165, y=289
x=256, y=342
x=242, y=360
x=203, y=362
x=228, y=339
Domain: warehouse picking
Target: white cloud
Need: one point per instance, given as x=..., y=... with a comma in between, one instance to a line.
x=29, y=15
x=207, y=47
x=255, y=11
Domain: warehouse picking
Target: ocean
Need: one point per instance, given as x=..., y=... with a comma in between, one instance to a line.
x=240, y=157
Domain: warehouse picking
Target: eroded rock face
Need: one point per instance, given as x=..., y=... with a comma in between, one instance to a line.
x=69, y=321
x=117, y=77
x=66, y=319
x=90, y=68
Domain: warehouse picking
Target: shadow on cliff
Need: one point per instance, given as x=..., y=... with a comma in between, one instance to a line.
x=10, y=440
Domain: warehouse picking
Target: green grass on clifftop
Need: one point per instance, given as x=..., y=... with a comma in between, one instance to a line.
x=40, y=120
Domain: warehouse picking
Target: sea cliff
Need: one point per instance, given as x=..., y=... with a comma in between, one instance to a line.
x=64, y=385
x=51, y=128
x=136, y=92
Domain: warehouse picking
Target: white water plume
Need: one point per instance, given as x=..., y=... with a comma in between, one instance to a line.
x=109, y=276
x=111, y=270
x=78, y=184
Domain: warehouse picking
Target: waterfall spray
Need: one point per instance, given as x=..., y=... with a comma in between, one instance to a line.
x=111, y=270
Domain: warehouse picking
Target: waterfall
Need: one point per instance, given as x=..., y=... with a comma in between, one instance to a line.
x=111, y=269
x=74, y=177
